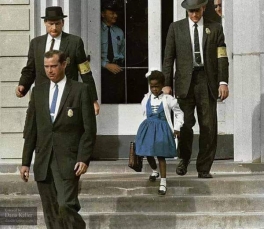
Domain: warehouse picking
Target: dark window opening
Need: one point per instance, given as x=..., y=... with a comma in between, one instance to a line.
x=133, y=21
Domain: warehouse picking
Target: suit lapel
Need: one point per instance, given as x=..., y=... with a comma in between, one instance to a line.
x=65, y=94
x=43, y=44
x=41, y=52
x=64, y=42
x=186, y=33
x=205, y=35
x=46, y=88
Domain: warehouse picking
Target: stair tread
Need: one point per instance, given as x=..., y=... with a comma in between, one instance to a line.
x=139, y=176
x=142, y=196
x=114, y=196
x=121, y=166
x=233, y=213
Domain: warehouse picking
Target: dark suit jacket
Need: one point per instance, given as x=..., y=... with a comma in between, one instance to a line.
x=70, y=138
x=72, y=46
x=179, y=49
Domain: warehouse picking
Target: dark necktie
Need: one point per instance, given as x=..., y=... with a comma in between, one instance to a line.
x=52, y=44
x=110, y=52
x=197, y=53
x=54, y=101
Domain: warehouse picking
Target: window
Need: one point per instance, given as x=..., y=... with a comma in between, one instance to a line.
x=130, y=85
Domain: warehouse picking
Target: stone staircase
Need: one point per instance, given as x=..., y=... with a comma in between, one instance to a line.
x=112, y=196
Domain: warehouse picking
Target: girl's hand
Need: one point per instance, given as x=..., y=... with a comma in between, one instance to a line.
x=177, y=133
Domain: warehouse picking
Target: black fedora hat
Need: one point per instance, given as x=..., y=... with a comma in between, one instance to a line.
x=193, y=4
x=54, y=13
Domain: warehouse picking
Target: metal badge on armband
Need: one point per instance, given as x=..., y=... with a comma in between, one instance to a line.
x=84, y=67
x=221, y=52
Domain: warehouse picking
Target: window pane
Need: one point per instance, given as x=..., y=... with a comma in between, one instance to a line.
x=129, y=37
x=136, y=49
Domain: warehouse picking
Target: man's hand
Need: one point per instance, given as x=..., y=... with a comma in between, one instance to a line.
x=167, y=90
x=114, y=68
x=96, y=108
x=223, y=91
x=81, y=168
x=20, y=91
x=24, y=173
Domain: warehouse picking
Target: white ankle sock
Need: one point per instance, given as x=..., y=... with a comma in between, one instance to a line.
x=162, y=184
x=154, y=173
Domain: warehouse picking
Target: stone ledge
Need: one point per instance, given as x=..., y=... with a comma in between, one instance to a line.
x=121, y=166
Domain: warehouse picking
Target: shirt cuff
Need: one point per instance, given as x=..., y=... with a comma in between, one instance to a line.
x=223, y=83
x=177, y=126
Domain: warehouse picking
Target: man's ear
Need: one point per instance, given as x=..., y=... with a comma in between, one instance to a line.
x=64, y=64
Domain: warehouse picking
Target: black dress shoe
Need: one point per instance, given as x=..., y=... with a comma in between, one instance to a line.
x=153, y=178
x=182, y=167
x=205, y=175
x=162, y=192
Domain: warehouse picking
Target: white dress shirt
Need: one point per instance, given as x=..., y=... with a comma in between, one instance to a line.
x=56, y=44
x=155, y=102
x=61, y=86
x=200, y=32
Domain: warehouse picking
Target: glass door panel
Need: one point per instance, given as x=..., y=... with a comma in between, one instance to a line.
x=133, y=21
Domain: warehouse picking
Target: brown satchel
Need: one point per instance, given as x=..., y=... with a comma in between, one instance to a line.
x=135, y=161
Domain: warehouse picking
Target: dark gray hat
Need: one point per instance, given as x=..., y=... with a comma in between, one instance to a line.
x=54, y=13
x=110, y=5
x=193, y=4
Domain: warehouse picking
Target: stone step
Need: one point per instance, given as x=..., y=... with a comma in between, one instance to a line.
x=113, y=196
x=160, y=220
x=166, y=220
x=121, y=166
x=137, y=183
x=152, y=203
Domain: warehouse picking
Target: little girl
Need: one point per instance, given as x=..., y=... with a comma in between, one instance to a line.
x=156, y=135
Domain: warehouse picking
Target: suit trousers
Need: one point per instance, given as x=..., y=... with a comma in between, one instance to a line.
x=59, y=199
x=200, y=98
x=113, y=87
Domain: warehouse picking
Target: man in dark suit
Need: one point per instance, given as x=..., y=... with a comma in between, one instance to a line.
x=61, y=128
x=56, y=39
x=198, y=48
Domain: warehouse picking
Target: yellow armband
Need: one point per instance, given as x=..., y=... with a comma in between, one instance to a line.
x=84, y=67
x=221, y=52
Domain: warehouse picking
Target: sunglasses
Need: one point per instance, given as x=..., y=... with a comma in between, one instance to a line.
x=195, y=10
x=220, y=5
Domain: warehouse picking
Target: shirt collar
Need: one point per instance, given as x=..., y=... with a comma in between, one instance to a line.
x=58, y=38
x=199, y=23
x=105, y=27
x=60, y=83
x=157, y=97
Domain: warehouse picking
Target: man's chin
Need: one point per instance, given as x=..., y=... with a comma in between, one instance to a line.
x=54, y=34
x=52, y=79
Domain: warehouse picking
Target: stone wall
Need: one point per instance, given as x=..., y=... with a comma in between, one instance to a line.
x=16, y=28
